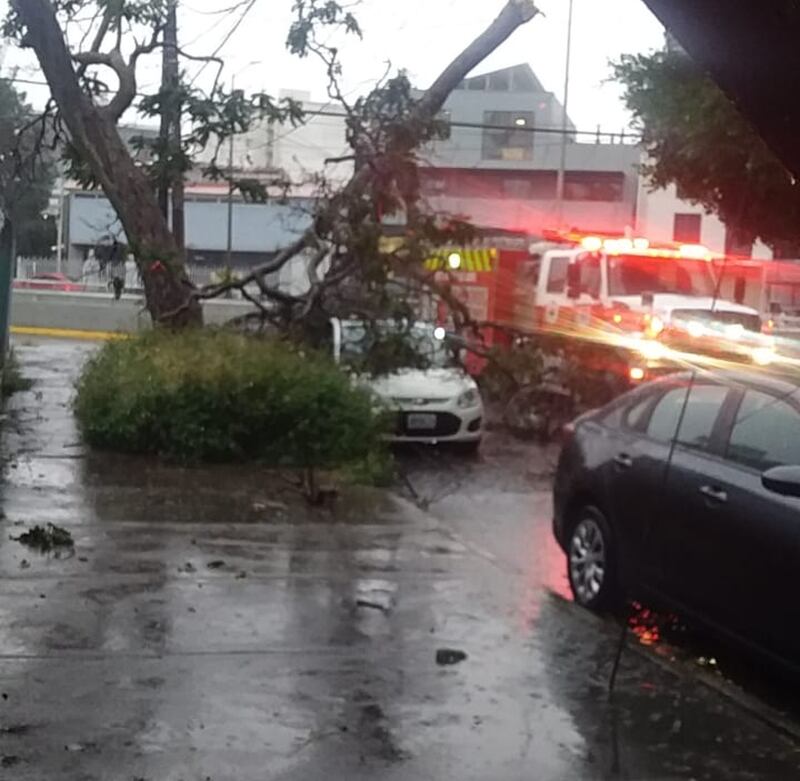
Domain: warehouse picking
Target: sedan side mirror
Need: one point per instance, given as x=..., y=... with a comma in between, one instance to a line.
x=783, y=480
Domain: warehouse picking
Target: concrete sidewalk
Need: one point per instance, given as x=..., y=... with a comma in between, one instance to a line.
x=210, y=626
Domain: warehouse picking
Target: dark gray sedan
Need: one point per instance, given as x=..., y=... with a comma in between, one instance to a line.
x=686, y=490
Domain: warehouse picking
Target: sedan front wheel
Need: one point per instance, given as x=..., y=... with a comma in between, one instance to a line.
x=591, y=562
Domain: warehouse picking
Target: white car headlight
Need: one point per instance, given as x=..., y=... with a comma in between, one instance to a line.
x=763, y=356
x=652, y=350
x=469, y=398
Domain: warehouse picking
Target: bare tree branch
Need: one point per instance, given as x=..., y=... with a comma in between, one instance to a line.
x=207, y=58
x=247, y=6
x=270, y=267
x=88, y=31
x=146, y=48
x=125, y=71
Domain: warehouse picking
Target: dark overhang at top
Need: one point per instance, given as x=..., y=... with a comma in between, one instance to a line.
x=752, y=50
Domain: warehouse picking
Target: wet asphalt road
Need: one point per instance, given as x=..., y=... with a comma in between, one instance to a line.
x=209, y=626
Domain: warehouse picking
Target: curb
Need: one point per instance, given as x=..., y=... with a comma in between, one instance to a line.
x=683, y=669
x=68, y=333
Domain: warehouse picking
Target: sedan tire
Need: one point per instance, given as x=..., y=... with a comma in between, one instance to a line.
x=592, y=560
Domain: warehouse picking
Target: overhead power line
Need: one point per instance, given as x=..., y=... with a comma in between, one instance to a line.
x=516, y=128
x=597, y=133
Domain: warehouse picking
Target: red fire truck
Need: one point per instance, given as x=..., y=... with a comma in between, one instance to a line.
x=661, y=305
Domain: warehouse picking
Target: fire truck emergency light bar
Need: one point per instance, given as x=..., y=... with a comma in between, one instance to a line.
x=620, y=245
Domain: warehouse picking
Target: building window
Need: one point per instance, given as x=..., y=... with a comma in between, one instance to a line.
x=490, y=184
x=531, y=186
x=686, y=228
x=500, y=81
x=594, y=185
x=511, y=138
x=516, y=187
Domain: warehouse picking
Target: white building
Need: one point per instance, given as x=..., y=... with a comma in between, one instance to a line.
x=498, y=168
x=302, y=153
x=662, y=216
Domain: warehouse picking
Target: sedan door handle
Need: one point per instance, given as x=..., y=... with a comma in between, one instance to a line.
x=623, y=461
x=716, y=495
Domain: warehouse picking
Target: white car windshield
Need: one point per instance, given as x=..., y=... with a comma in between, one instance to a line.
x=358, y=340
x=632, y=275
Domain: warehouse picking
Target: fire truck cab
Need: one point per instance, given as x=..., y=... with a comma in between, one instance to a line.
x=653, y=299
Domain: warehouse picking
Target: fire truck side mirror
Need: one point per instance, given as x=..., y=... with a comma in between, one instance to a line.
x=775, y=308
x=574, y=280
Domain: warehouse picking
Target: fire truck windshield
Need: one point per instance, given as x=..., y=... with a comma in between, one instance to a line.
x=632, y=275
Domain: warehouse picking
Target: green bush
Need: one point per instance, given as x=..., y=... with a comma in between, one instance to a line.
x=205, y=395
x=11, y=378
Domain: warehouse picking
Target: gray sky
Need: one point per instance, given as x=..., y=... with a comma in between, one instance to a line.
x=420, y=36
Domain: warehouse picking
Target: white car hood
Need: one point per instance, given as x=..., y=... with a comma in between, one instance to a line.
x=664, y=304
x=421, y=384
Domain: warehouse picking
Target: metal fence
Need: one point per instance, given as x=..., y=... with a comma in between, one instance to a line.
x=99, y=278
x=30, y=267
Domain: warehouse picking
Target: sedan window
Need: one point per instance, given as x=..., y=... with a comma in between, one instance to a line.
x=665, y=417
x=636, y=416
x=702, y=410
x=766, y=432
x=701, y=414
x=629, y=411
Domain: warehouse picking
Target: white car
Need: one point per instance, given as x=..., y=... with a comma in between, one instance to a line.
x=440, y=403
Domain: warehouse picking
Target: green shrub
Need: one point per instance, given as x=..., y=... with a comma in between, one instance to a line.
x=377, y=468
x=11, y=378
x=218, y=396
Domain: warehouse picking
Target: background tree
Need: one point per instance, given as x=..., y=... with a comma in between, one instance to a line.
x=696, y=138
x=76, y=43
x=26, y=175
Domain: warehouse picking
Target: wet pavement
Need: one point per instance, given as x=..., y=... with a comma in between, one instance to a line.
x=209, y=626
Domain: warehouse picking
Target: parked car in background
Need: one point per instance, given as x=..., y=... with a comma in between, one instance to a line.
x=49, y=281
x=434, y=400
x=687, y=490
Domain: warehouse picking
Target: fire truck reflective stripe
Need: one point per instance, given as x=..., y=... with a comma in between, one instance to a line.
x=477, y=259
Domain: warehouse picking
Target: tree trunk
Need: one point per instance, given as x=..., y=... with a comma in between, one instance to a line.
x=515, y=13
x=93, y=132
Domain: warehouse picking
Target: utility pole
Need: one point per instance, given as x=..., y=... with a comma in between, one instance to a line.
x=7, y=257
x=60, y=225
x=564, y=124
x=170, y=131
x=229, y=246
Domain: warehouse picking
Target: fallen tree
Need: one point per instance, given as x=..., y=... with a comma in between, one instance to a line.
x=348, y=266
x=351, y=269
